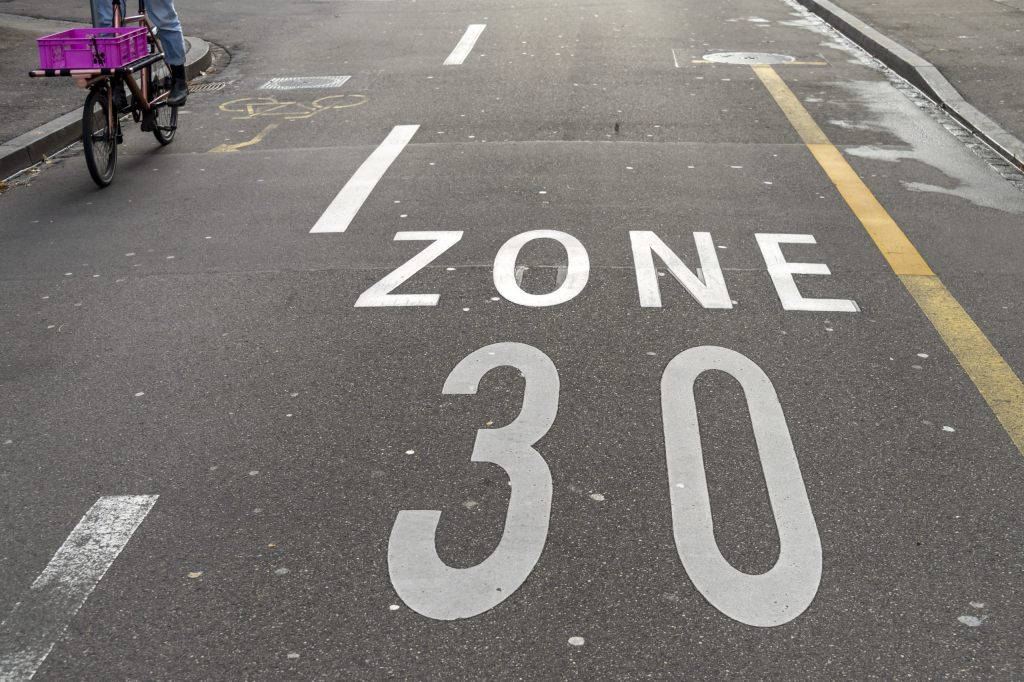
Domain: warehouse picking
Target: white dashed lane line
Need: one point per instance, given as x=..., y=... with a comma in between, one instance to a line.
x=39, y=620
x=465, y=45
x=350, y=199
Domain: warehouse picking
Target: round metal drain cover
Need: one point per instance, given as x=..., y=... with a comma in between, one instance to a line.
x=748, y=58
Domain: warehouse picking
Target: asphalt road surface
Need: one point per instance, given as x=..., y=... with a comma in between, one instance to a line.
x=437, y=371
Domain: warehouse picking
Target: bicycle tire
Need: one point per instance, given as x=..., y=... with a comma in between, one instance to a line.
x=99, y=142
x=166, y=117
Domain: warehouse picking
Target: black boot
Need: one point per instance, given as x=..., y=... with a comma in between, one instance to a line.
x=120, y=97
x=179, y=86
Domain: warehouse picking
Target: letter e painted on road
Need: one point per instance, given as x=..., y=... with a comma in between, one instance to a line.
x=782, y=273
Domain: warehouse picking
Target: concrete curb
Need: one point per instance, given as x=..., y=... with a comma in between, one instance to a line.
x=25, y=150
x=924, y=75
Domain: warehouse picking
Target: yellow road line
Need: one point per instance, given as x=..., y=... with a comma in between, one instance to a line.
x=993, y=377
x=248, y=143
x=795, y=62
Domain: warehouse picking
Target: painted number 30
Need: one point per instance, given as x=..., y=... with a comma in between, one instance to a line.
x=434, y=589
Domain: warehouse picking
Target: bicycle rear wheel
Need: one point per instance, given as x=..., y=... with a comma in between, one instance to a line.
x=99, y=140
x=165, y=117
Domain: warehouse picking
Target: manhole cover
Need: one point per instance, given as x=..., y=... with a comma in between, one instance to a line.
x=206, y=87
x=304, y=82
x=748, y=58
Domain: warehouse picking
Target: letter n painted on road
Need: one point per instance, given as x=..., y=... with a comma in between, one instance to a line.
x=710, y=291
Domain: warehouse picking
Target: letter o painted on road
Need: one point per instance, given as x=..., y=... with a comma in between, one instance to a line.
x=577, y=270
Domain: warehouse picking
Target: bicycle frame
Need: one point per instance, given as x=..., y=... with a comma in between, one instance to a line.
x=141, y=93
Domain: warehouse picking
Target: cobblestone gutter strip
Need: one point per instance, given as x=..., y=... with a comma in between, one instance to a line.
x=923, y=74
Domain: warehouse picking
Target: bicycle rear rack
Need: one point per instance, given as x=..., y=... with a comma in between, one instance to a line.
x=125, y=70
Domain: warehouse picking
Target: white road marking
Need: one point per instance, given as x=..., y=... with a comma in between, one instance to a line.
x=577, y=270
x=782, y=271
x=39, y=620
x=788, y=588
x=707, y=287
x=379, y=295
x=350, y=199
x=304, y=82
x=421, y=578
x=465, y=45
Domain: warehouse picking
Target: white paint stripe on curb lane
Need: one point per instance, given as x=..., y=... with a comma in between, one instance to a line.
x=465, y=45
x=350, y=199
x=39, y=620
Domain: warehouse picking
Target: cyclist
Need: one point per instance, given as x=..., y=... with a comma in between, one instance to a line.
x=164, y=16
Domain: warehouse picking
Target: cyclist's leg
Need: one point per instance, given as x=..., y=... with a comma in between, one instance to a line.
x=105, y=12
x=164, y=16
x=105, y=17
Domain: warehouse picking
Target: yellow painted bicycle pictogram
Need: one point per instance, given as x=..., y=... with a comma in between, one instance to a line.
x=257, y=107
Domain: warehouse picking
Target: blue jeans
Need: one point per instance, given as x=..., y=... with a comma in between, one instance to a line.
x=163, y=16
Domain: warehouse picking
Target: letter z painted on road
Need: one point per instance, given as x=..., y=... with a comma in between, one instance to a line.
x=380, y=296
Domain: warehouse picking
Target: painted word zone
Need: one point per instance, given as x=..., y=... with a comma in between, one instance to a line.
x=706, y=284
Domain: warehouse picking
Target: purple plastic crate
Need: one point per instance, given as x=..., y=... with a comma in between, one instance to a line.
x=92, y=48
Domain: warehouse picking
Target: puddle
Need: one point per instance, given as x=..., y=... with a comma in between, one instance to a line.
x=929, y=143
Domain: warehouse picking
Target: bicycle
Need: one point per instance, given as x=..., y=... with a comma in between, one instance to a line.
x=102, y=114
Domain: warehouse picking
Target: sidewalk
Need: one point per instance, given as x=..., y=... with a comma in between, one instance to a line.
x=26, y=103
x=39, y=116
x=977, y=45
